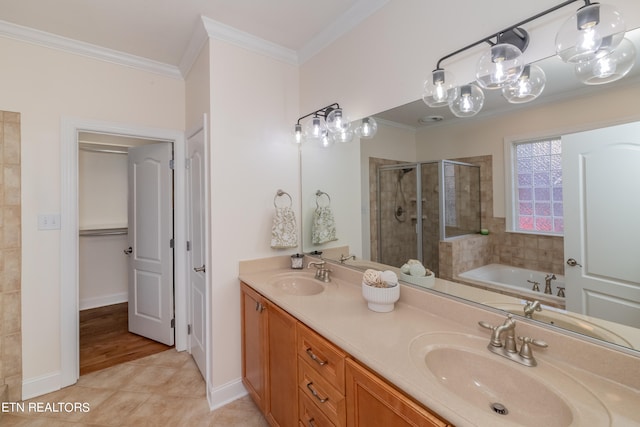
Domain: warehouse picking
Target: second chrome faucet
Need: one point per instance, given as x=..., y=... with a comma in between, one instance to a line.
x=508, y=347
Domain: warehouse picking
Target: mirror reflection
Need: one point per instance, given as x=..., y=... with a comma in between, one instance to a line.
x=404, y=212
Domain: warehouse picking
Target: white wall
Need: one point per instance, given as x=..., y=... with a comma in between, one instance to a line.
x=46, y=85
x=254, y=104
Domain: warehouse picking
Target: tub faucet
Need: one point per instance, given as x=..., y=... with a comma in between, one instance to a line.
x=547, y=283
x=535, y=287
x=530, y=307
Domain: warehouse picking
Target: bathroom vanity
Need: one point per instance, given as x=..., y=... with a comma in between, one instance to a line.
x=313, y=354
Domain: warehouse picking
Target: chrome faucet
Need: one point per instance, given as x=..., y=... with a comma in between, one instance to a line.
x=509, y=348
x=322, y=273
x=547, y=283
x=346, y=258
x=530, y=307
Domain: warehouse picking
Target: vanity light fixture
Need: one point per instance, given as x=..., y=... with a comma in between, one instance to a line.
x=329, y=125
x=592, y=34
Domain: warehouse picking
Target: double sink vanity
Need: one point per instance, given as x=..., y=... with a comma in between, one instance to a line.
x=315, y=355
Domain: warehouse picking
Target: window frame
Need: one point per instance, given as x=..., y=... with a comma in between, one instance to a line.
x=511, y=187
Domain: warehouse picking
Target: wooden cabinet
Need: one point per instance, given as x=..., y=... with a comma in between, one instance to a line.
x=321, y=377
x=371, y=402
x=269, y=368
x=298, y=378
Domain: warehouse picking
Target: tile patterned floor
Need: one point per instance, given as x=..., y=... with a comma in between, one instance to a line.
x=164, y=389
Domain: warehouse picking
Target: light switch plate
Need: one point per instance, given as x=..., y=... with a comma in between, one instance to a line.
x=49, y=222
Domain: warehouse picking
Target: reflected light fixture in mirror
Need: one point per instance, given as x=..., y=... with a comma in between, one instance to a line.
x=528, y=87
x=608, y=68
x=329, y=125
x=593, y=32
x=467, y=100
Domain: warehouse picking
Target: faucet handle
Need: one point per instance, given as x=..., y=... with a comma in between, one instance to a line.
x=536, y=287
x=525, y=350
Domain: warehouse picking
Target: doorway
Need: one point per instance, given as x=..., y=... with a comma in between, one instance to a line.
x=110, y=325
x=69, y=332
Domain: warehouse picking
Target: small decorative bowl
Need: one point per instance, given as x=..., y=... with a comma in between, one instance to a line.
x=424, y=281
x=381, y=300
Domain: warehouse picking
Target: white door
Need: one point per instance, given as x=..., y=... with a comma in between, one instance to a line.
x=601, y=193
x=150, y=240
x=197, y=214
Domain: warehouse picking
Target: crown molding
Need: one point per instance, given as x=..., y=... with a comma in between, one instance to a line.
x=220, y=31
x=42, y=38
x=345, y=23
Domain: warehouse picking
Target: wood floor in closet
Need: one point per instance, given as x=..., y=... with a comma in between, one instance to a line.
x=105, y=340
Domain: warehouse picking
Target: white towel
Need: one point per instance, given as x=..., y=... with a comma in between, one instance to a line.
x=284, y=233
x=323, y=227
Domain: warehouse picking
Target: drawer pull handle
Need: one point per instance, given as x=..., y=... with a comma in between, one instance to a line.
x=315, y=394
x=315, y=358
x=311, y=423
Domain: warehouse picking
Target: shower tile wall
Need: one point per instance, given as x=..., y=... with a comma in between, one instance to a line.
x=10, y=258
x=399, y=236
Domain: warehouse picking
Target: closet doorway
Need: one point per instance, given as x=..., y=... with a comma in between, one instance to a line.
x=117, y=206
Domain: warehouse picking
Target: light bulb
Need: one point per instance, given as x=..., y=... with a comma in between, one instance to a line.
x=297, y=133
x=367, y=128
x=467, y=101
x=437, y=88
x=337, y=122
x=610, y=67
x=500, y=66
x=593, y=31
x=528, y=87
x=315, y=129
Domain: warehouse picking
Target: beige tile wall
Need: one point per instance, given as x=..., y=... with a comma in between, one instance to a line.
x=10, y=257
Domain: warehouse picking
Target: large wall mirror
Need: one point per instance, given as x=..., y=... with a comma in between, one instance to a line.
x=412, y=142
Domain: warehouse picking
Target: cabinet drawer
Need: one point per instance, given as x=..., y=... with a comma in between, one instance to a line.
x=326, y=397
x=310, y=415
x=323, y=357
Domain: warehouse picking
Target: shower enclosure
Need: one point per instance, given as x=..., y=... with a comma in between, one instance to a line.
x=419, y=204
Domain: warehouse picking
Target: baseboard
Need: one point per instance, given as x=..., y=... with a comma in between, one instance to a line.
x=88, y=303
x=41, y=385
x=220, y=396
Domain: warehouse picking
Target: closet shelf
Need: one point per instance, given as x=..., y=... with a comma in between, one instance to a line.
x=115, y=231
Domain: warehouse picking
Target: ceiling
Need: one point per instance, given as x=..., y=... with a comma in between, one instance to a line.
x=160, y=30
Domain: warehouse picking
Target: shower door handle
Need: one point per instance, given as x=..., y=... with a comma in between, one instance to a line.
x=200, y=269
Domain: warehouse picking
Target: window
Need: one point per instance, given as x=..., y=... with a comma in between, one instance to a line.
x=537, y=186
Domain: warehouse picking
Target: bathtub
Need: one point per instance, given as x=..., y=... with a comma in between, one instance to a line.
x=512, y=281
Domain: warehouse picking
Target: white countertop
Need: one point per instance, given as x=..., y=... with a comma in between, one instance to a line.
x=381, y=341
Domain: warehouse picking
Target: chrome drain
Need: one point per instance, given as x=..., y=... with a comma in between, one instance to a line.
x=499, y=408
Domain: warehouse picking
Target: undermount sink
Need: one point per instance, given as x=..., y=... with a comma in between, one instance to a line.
x=496, y=391
x=295, y=283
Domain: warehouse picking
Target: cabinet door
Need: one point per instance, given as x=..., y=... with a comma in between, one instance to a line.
x=371, y=402
x=254, y=349
x=282, y=382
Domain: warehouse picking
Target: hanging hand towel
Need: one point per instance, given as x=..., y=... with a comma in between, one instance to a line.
x=284, y=232
x=323, y=227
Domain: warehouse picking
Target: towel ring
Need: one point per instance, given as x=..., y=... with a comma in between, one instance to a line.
x=281, y=193
x=319, y=194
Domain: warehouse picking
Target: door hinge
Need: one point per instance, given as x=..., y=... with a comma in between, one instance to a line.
x=188, y=329
x=188, y=245
x=173, y=323
x=187, y=163
x=171, y=164
x=171, y=243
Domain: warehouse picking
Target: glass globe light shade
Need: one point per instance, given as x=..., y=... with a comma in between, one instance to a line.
x=337, y=121
x=327, y=140
x=608, y=68
x=593, y=31
x=437, y=88
x=528, y=87
x=467, y=101
x=343, y=136
x=297, y=134
x=315, y=129
x=367, y=128
x=500, y=66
